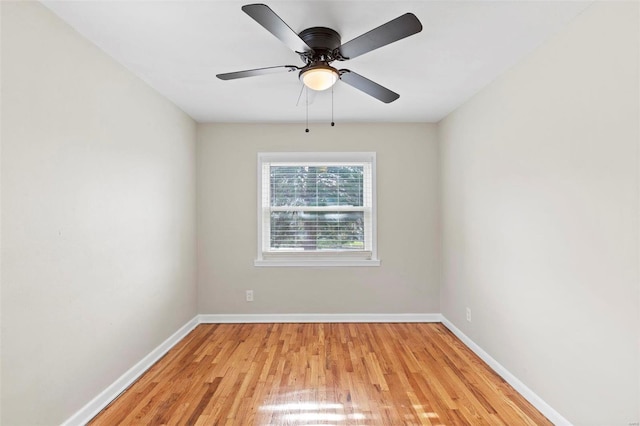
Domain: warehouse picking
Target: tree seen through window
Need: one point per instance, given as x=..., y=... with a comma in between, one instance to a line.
x=316, y=207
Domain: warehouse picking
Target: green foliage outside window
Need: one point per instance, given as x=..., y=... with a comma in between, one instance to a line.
x=320, y=188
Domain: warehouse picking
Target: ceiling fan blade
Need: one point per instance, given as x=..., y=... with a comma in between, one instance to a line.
x=257, y=71
x=266, y=17
x=367, y=86
x=394, y=30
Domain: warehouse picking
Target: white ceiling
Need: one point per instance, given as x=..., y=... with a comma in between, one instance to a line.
x=179, y=46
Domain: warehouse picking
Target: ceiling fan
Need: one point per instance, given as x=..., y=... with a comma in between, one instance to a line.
x=318, y=47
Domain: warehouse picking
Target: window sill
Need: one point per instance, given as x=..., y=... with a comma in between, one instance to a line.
x=306, y=263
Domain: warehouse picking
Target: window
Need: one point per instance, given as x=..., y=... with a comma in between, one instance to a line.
x=316, y=209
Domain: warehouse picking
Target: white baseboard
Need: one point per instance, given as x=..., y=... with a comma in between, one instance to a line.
x=310, y=318
x=93, y=407
x=97, y=404
x=555, y=417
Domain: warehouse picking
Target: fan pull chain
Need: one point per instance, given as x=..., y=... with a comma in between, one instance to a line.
x=306, y=95
x=332, y=123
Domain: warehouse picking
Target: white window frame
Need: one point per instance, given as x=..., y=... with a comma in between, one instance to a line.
x=313, y=259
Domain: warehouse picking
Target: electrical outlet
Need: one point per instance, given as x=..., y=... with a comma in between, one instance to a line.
x=469, y=314
x=249, y=295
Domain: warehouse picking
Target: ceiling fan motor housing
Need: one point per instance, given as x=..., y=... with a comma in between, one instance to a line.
x=323, y=41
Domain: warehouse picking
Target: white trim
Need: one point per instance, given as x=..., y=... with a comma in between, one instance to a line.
x=311, y=318
x=297, y=262
x=97, y=404
x=318, y=209
x=338, y=158
x=332, y=157
x=551, y=414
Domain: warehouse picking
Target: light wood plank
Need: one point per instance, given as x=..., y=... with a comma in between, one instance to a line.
x=342, y=374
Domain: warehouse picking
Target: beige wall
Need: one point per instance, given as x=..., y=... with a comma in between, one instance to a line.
x=98, y=220
x=408, y=236
x=540, y=218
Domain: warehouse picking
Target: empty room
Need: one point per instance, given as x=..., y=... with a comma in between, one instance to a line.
x=320, y=213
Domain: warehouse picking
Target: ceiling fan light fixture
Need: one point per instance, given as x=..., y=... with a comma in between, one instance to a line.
x=319, y=77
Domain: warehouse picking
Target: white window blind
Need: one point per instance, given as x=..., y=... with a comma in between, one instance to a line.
x=316, y=206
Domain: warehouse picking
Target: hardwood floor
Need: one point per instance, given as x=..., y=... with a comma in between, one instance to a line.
x=312, y=374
